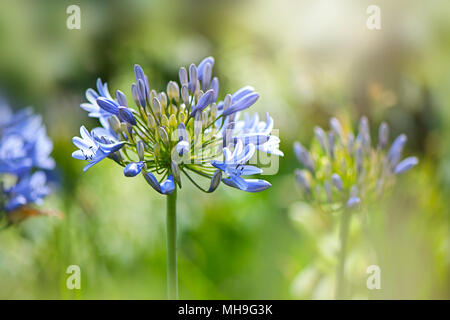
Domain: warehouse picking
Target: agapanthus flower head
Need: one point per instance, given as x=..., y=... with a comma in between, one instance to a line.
x=343, y=170
x=24, y=157
x=183, y=130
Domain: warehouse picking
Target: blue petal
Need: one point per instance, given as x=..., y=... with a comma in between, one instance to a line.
x=15, y=203
x=139, y=72
x=79, y=155
x=182, y=147
x=239, y=182
x=242, y=104
x=168, y=186
x=152, y=181
x=353, y=201
x=215, y=87
x=242, y=92
x=126, y=115
x=193, y=77
x=133, y=169
x=95, y=161
x=215, y=180
x=219, y=165
x=111, y=147
x=108, y=105
x=405, y=165
x=253, y=138
x=202, y=65
x=253, y=185
x=303, y=156
x=247, y=170
x=121, y=98
x=337, y=181
x=203, y=102
x=142, y=93
x=102, y=89
x=395, y=152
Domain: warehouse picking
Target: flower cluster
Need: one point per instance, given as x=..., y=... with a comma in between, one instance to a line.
x=343, y=170
x=24, y=155
x=183, y=130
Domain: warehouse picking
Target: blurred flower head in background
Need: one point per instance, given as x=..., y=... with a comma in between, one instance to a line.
x=343, y=170
x=184, y=129
x=24, y=156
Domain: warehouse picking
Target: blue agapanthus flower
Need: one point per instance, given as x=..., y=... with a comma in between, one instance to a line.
x=182, y=130
x=343, y=170
x=24, y=157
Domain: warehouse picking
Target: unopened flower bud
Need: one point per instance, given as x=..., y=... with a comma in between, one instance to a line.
x=121, y=99
x=173, y=91
x=198, y=126
x=123, y=127
x=140, y=148
x=151, y=121
x=213, y=111
x=135, y=94
x=156, y=149
x=182, y=117
x=164, y=121
x=143, y=113
x=162, y=97
x=173, y=121
x=163, y=135
x=156, y=107
x=337, y=181
x=114, y=122
x=227, y=102
x=183, y=76
x=383, y=135
x=206, y=77
x=193, y=78
x=185, y=95
x=215, y=180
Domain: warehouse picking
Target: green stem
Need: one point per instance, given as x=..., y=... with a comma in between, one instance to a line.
x=343, y=236
x=171, y=223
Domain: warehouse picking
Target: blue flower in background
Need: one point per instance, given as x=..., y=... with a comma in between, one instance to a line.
x=24, y=156
x=344, y=170
x=29, y=189
x=182, y=130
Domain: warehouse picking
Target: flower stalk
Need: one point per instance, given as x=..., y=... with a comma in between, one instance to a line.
x=171, y=229
x=341, y=285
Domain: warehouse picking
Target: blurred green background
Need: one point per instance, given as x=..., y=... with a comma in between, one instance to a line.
x=309, y=60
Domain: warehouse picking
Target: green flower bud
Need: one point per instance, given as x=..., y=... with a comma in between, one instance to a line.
x=181, y=117
x=151, y=121
x=123, y=127
x=213, y=111
x=143, y=113
x=227, y=102
x=173, y=121
x=156, y=149
x=165, y=121
x=162, y=97
x=140, y=149
x=114, y=122
x=173, y=91
x=156, y=107
x=163, y=135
